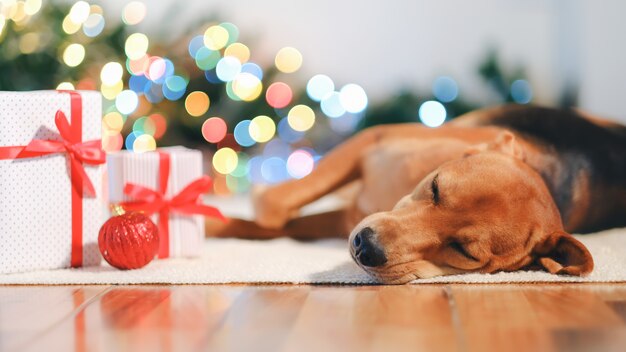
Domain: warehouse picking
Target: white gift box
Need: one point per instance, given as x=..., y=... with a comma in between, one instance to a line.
x=37, y=215
x=186, y=232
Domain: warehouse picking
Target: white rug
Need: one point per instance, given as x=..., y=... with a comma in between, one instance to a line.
x=320, y=262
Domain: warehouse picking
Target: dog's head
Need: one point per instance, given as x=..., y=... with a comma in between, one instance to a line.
x=486, y=212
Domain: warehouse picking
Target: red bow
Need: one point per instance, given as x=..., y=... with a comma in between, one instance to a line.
x=79, y=152
x=186, y=201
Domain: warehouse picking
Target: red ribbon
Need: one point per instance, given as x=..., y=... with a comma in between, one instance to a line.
x=79, y=152
x=187, y=201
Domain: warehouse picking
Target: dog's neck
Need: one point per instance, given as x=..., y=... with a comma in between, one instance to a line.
x=585, y=204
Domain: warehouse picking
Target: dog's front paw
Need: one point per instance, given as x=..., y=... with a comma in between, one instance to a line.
x=270, y=210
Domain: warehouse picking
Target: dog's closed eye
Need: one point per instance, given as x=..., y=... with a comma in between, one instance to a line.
x=434, y=188
x=458, y=247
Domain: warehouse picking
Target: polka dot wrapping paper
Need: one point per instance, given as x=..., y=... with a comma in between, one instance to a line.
x=36, y=209
x=186, y=232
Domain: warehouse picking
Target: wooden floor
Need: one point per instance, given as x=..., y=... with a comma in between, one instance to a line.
x=570, y=317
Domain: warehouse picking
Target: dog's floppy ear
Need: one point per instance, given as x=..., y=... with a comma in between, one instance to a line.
x=562, y=254
x=505, y=143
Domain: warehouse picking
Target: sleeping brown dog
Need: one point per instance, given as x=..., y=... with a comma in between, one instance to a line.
x=498, y=189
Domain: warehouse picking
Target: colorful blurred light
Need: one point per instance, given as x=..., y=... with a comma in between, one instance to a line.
x=288, y=134
x=136, y=46
x=126, y=102
x=521, y=92
x=238, y=50
x=79, y=12
x=345, y=124
x=112, y=141
x=274, y=170
x=353, y=98
x=111, y=73
x=174, y=87
x=225, y=161
x=288, y=60
x=300, y=163
x=144, y=143
x=144, y=125
x=113, y=122
x=242, y=134
x=242, y=165
x=65, y=86
x=215, y=37
x=445, y=89
x=94, y=25
x=228, y=68
x=331, y=105
x=319, y=86
x=252, y=68
x=233, y=32
x=278, y=95
x=195, y=44
x=73, y=55
x=214, y=129
x=246, y=86
x=432, y=113
x=137, y=83
x=301, y=118
x=134, y=12
x=31, y=7
x=139, y=66
x=207, y=59
x=69, y=26
x=160, y=125
x=197, y=103
x=262, y=129
x=277, y=148
x=110, y=92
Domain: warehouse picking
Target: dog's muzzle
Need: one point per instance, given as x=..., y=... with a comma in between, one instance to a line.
x=365, y=249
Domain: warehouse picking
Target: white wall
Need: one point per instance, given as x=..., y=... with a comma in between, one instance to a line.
x=384, y=45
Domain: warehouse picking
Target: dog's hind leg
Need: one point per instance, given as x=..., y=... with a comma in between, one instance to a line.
x=323, y=225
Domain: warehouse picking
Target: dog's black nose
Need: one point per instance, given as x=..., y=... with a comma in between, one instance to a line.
x=366, y=250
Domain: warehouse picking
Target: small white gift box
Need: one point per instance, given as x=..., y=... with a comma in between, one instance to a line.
x=51, y=205
x=166, y=184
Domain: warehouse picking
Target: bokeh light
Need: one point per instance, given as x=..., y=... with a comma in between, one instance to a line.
x=242, y=134
x=521, y=92
x=353, y=98
x=214, y=129
x=111, y=73
x=79, y=12
x=113, y=122
x=197, y=103
x=144, y=143
x=288, y=60
x=31, y=7
x=345, y=124
x=432, y=113
x=238, y=50
x=134, y=12
x=274, y=170
x=69, y=26
x=262, y=129
x=110, y=92
x=319, y=86
x=246, y=86
x=225, y=161
x=144, y=125
x=73, y=55
x=331, y=105
x=228, y=68
x=136, y=46
x=445, y=89
x=174, y=87
x=29, y=42
x=207, y=59
x=253, y=69
x=233, y=32
x=288, y=134
x=112, y=141
x=160, y=124
x=215, y=37
x=300, y=163
x=94, y=25
x=126, y=102
x=65, y=86
x=278, y=95
x=301, y=118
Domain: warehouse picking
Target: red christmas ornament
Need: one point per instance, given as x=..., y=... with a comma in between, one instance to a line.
x=128, y=241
